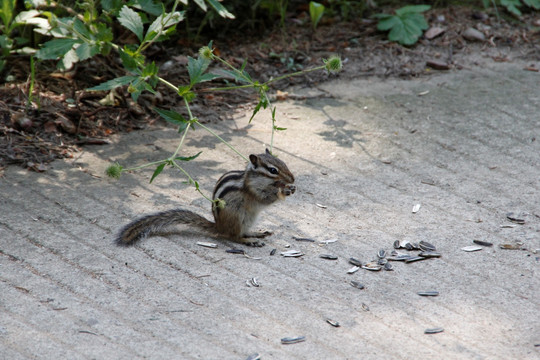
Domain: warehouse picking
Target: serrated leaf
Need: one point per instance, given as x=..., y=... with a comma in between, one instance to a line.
x=158, y=171
x=114, y=83
x=208, y=77
x=173, y=117
x=131, y=20
x=86, y=51
x=263, y=102
x=388, y=23
x=162, y=22
x=129, y=61
x=196, y=67
x=535, y=4
x=220, y=9
x=56, y=48
x=188, y=158
x=79, y=26
x=68, y=60
x=412, y=9
x=149, y=6
x=512, y=6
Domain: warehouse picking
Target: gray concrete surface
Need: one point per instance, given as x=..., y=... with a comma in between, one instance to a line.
x=465, y=145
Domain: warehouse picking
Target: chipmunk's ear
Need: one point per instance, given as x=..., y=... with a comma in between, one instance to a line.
x=254, y=160
x=268, y=152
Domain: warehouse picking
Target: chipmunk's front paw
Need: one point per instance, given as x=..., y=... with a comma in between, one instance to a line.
x=289, y=189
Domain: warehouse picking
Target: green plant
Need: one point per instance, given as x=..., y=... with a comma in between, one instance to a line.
x=512, y=6
x=406, y=25
x=316, y=11
x=197, y=73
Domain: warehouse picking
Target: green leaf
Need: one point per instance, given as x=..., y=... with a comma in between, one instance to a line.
x=316, y=12
x=406, y=26
x=173, y=117
x=388, y=22
x=412, y=9
x=86, y=51
x=79, y=26
x=130, y=60
x=196, y=68
x=220, y=9
x=162, y=22
x=512, y=6
x=114, y=83
x=149, y=6
x=131, y=20
x=6, y=13
x=535, y=4
x=158, y=171
x=263, y=102
x=56, y=48
x=188, y=158
x=279, y=128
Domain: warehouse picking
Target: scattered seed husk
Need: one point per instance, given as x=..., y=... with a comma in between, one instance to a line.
x=430, y=254
x=415, y=246
x=254, y=357
x=409, y=246
x=357, y=285
x=235, y=251
x=517, y=218
x=326, y=242
x=353, y=269
x=328, y=257
x=381, y=254
x=333, y=323
x=511, y=246
x=397, y=244
x=372, y=266
x=388, y=267
x=365, y=307
x=207, y=244
x=482, y=243
x=433, y=330
x=253, y=282
x=303, y=239
x=428, y=293
x=399, y=257
x=293, y=340
x=415, y=258
x=382, y=261
x=292, y=253
x=510, y=226
x=321, y=206
x=471, y=248
x=355, y=262
x=425, y=246
x=273, y=252
x=252, y=257
x=416, y=208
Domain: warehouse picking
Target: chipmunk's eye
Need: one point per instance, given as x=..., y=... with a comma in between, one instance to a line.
x=273, y=170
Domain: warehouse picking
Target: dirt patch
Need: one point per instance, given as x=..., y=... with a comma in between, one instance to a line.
x=62, y=115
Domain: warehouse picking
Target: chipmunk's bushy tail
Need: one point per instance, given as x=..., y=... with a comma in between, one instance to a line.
x=154, y=223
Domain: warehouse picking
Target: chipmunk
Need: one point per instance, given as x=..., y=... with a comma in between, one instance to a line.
x=245, y=193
